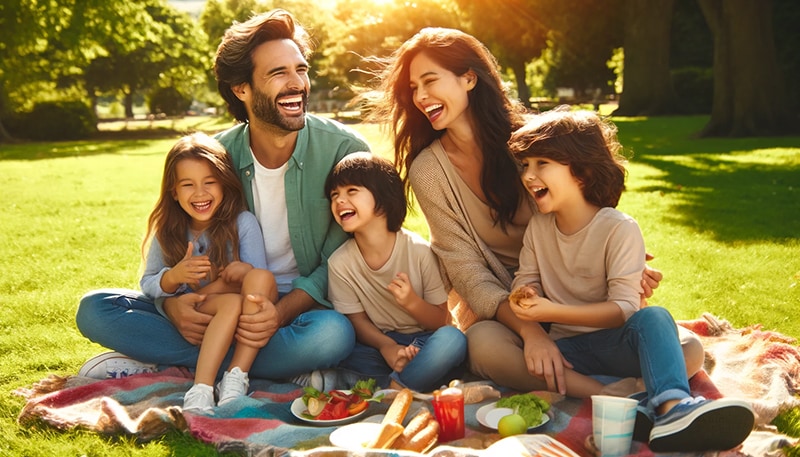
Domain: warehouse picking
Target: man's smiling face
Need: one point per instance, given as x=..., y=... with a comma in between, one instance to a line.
x=280, y=85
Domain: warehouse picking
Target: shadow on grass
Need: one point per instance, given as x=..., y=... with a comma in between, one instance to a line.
x=738, y=189
x=103, y=143
x=133, y=135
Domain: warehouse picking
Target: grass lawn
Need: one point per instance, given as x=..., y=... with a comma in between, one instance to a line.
x=722, y=217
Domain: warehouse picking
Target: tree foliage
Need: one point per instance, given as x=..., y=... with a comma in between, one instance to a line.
x=75, y=49
x=53, y=50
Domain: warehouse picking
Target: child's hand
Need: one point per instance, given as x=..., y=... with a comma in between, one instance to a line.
x=398, y=356
x=401, y=288
x=235, y=272
x=190, y=270
x=523, y=296
x=537, y=309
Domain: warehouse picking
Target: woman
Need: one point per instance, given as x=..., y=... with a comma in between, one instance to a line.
x=452, y=119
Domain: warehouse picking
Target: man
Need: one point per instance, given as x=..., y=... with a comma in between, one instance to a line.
x=282, y=155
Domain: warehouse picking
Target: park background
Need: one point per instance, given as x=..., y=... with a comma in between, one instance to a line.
x=93, y=94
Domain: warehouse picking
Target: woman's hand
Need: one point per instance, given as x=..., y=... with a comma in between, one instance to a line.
x=544, y=360
x=650, y=279
x=182, y=312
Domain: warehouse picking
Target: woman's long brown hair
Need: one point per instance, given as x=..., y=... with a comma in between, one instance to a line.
x=495, y=115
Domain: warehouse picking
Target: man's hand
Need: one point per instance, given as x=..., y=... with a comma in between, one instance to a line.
x=182, y=312
x=256, y=329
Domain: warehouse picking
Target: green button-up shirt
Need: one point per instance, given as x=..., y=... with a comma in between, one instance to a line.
x=313, y=232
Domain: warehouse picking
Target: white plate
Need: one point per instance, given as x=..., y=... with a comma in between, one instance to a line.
x=489, y=415
x=298, y=408
x=354, y=436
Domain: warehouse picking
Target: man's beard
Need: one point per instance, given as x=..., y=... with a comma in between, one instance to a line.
x=266, y=110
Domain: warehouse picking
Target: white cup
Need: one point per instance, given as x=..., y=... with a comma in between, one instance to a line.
x=613, y=419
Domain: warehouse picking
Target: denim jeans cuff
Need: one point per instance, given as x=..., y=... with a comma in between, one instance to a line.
x=667, y=395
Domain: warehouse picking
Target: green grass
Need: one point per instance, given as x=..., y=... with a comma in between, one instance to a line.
x=722, y=217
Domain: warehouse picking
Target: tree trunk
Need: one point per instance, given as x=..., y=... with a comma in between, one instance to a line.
x=647, y=83
x=523, y=91
x=128, y=105
x=5, y=137
x=749, y=99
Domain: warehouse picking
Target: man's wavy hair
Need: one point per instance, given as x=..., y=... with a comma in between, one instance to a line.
x=233, y=64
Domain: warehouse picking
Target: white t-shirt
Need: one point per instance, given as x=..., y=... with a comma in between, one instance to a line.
x=269, y=200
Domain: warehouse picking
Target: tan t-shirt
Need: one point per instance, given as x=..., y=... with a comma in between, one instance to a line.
x=601, y=262
x=354, y=287
x=505, y=245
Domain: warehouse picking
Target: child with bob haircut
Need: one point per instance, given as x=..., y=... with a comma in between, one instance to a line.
x=203, y=239
x=386, y=280
x=580, y=270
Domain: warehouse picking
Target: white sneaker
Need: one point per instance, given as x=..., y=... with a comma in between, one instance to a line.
x=114, y=365
x=234, y=384
x=199, y=399
x=322, y=380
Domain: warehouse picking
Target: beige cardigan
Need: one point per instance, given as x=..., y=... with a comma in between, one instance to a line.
x=479, y=281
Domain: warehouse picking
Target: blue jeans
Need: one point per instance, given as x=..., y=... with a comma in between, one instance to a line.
x=126, y=321
x=440, y=359
x=646, y=346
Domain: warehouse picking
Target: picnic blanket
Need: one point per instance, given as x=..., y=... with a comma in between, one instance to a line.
x=760, y=366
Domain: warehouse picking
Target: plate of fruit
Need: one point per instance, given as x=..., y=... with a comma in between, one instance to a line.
x=335, y=407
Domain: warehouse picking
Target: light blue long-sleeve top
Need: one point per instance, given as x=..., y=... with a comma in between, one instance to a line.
x=251, y=250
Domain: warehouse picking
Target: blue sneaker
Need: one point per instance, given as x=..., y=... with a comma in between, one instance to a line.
x=697, y=425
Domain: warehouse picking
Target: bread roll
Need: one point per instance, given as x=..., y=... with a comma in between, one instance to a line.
x=415, y=425
x=424, y=439
x=521, y=296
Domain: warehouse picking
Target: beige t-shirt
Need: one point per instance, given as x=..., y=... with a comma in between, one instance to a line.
x=601, y=262
x=505, y=245
x=354, y=287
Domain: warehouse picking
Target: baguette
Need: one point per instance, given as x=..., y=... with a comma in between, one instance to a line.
x=399, y=407
x=386, y=436
x=391, y=425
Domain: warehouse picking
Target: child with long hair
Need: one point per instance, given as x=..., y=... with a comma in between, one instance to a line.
x=202, y=239
x=386, y=280
x=580, y=270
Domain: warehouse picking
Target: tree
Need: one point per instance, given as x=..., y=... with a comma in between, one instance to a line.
x=582, y=36
x=647, y=88
x=749, y=97
x=377, y=32
x=515, y=32
x=171, y=51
